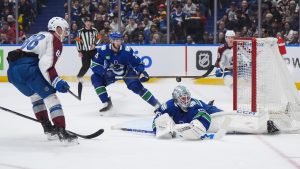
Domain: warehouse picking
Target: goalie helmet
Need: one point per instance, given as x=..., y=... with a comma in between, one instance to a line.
x=182, y=97
x=59, y=22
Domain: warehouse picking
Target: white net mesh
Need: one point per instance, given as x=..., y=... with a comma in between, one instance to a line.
x=275, y=91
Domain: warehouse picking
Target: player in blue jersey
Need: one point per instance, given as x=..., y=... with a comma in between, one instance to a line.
x=32, y=71
x=117, y=59
x=183, y=115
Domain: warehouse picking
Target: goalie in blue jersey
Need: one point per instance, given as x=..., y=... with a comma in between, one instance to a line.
x=117, y=59
x=183, y=115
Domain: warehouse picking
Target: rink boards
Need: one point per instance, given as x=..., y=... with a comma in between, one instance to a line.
x=160, y=60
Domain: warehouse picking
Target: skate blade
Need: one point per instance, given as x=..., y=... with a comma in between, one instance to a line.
x=51, y=137
x=70, y=142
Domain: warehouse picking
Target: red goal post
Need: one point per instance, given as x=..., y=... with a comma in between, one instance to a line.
x=237, y=43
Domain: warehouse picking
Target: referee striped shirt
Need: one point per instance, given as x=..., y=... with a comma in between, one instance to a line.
x=86, y=38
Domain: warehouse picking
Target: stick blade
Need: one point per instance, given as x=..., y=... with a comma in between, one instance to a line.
x=90, y=136
x=79, y=90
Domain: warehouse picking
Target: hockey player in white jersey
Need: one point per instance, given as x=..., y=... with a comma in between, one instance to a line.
x=32, y=71
x=224, y=62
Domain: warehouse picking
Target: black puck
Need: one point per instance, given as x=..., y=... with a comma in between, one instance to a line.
x=178, y=79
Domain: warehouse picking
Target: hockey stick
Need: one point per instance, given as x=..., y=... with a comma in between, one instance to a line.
x=79, y=90
x=90, y=136
x=77, y=97
x=208, y=136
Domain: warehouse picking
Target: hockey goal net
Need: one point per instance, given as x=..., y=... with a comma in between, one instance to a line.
x=263, y=84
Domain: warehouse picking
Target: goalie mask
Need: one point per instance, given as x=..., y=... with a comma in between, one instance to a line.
x=182, y=97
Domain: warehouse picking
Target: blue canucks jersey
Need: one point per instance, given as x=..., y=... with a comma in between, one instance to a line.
x=197, y=110
x=106, y=59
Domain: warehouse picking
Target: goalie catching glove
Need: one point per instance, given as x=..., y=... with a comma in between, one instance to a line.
x=190, y=131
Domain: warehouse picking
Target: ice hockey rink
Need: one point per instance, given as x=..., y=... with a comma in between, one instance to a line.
x=24, y=146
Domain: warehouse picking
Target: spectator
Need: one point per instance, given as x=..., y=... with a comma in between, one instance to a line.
x=104, y=33
x=8, y=35
x=126, y=39
x=140, y=39
x=73, y=32
x=139, y=30
x=189, y=8
x=178, y=18
x=26, y=11
x=135, y=13
x=189, y=40
x=132, y=25
x=287, y=32
x=115, y=24
x=221, y=38
x=156, y=39
x=244, y=7
x=295, y=38
x=75, y=11
x=99, y=21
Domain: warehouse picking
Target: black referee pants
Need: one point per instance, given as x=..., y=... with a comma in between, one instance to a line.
x=86, y=61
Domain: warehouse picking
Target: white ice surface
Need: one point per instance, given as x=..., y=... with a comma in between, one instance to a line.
x=24, y=146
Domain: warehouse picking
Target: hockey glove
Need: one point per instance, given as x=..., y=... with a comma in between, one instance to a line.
x=190, y=131
x=109, y=77
x=219, y=72
x=60, y=85
x=144, y=77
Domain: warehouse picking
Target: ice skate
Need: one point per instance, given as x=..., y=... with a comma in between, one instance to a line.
x=66, y=137
x=272, y=129
x=106, y=106
x=49, y=130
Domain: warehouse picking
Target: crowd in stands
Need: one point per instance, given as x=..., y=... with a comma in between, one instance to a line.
x=27, y=12
x=280, y=18
x=145, y=22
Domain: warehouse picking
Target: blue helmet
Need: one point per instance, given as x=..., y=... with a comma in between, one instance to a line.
x=115, y=35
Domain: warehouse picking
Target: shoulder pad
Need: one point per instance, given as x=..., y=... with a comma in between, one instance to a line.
x=221, y=46
x=127, y=49
x=103, y=47
x=164, y=106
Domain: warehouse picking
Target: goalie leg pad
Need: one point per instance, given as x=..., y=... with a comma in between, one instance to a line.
x=190, y=131
x=164, y=126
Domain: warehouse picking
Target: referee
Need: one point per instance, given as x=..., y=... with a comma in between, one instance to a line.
x=86, y=41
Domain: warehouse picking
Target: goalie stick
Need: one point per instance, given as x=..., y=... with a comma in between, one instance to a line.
x=90, y=136
x=207, y=136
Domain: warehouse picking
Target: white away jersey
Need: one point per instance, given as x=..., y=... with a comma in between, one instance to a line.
x=49, y=49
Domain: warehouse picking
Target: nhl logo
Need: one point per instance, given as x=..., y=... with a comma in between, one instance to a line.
x=204, y=60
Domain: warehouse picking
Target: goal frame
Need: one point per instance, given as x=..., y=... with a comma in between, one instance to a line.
x=253, y=73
